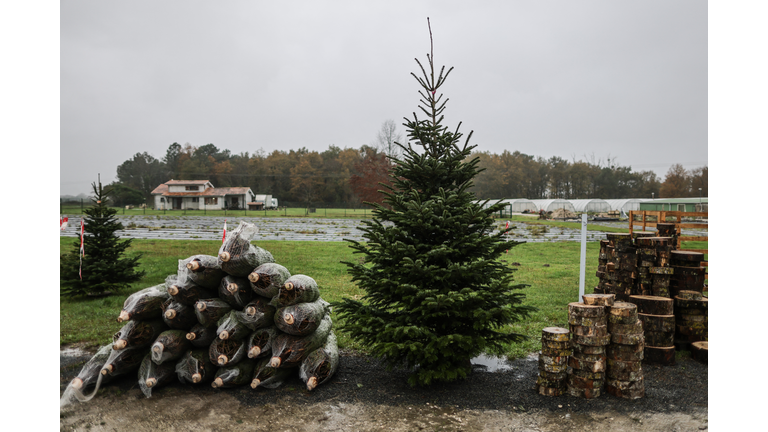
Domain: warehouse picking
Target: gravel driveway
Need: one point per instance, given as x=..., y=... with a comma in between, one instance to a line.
x=363, y=396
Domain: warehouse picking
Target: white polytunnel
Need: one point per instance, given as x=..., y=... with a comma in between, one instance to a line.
x=549, y=205
x=519, y=205
x=591, y=205
x=626, y=204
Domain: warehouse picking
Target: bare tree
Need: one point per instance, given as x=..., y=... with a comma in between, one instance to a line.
x=385, y=140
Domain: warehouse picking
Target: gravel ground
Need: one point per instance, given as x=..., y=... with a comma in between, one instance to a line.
x=364, y=396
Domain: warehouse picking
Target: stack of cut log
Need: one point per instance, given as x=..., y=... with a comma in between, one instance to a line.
x=688, y=274
x=667, y=229
x=654, y=255
x=658, y=321
x=236, y=319
x=620, y=270
x=624, y=368
x=605, y=283
x=555, y=349
x=691, y=318
x=589, y=337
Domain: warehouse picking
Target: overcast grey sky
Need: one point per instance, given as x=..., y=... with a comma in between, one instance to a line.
x=625, y=80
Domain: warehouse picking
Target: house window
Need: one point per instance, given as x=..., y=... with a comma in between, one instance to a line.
x=162, y=200
x=681, y=207
x=191, y=188
x=195, y=199
x=211, y=201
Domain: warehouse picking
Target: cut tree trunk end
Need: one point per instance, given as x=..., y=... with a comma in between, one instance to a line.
x=288, y=318
x=119, y=344
x=255, y=383
x=151, y=382
x=311, y=383
x=173, y=290
x=193, y=265
x=275, y=362
x=253, y=277
x=77, y=383
x=218, y=382
x=225, y=256
x=288, y=286
x=196, y=378
x=254, y=352
x=123, y=317
x=222, y=359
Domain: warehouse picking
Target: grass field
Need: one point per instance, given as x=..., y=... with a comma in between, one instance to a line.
x=551, y=270
x=285, y=212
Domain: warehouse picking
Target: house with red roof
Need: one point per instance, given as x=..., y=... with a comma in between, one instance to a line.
x=200, y=195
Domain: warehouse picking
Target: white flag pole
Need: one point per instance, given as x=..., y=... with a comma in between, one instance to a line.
x=583, y=264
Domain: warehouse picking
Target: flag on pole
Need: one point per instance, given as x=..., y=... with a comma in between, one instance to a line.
x=63, y=222
x=82, y=246
x=225, y=231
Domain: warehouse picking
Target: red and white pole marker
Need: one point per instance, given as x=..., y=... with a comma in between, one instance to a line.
x=63, y=222
x=225, y=231
x=82, y=246
x=507, y=234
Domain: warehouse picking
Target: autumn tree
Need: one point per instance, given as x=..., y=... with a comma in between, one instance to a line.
x=373, y=175
x=676, y=183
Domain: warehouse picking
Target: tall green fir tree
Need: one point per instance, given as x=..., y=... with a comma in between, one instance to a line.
x=105, y=268
x=436, y=291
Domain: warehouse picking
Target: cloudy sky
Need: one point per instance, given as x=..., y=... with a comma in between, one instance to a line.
x=589, y=80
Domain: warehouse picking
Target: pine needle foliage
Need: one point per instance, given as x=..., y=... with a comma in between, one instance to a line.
x=437, y=294
x=104, y=267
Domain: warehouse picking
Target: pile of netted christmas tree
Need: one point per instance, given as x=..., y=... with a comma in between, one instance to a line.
x=236, y=319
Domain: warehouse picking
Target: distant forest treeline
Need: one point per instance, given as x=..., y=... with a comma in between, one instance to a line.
x=338, y=176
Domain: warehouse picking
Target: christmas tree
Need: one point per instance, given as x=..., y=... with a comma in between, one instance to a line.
x=437, y=293
x=103, y=266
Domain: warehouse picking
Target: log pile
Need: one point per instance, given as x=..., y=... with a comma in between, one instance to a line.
x=625, y=353
x=619, y=272
x=553, y=359
x=585, y=373
x=691, y=318
x=658, y=321
x=689, y=274
x=212, y=323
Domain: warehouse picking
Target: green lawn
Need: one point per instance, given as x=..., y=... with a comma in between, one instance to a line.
x=551, y=270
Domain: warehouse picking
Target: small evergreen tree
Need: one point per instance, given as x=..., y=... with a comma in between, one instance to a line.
x=103, y=266
x=437, y=294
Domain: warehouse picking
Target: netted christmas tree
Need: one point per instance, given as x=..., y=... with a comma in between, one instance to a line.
x=104, y=264
x=437, y=293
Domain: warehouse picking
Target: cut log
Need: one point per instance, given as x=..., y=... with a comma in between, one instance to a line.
x=554, y=368
x=630, y=353
x=634, y=328
x=588, y=321
x=653, y=305
x=550, y=391
x=584, y=393
x=623, y=309
x=588, y=349
x=692, y=304
x=589, y=330
x=555, y=352
x=627, y=339
x=624, y=375
x=662, y=270
x=584, y=310
x=549, y=360
x=615, y=319
x=584, y=383
x=552, y=376
x=689, y=295
x=592, y=366
x=555, y=345
x=700, y=351
x=626, y=389
x=660, y=291
x=555, y=334
x=624, y=366
x=659, y=338
x=591, y=340
x=657, y=323
x=587, y=374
